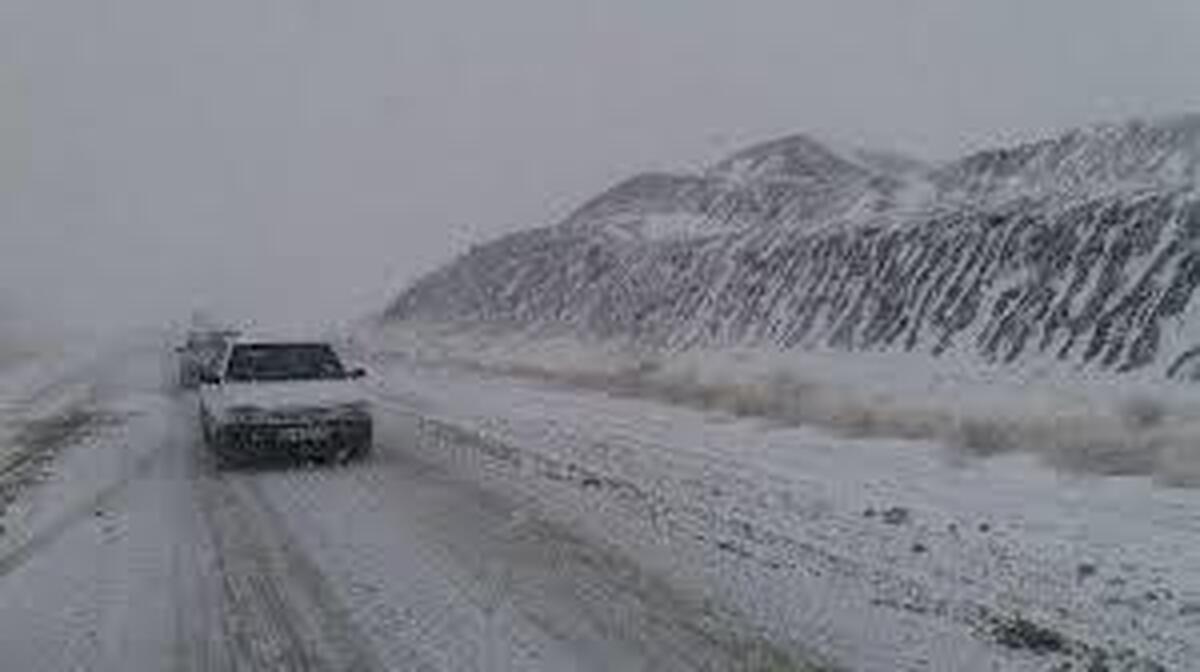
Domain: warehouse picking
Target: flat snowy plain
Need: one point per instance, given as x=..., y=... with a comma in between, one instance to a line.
x=518, y=523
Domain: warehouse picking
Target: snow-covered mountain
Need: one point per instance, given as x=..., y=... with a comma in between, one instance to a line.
x=1160, y=155
x=781, y=183
x=1083, y=248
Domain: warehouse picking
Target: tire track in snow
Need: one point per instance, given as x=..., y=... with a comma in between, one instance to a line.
x=335, y=619
x=201, y=642
x=573, y=586
x=279, y=611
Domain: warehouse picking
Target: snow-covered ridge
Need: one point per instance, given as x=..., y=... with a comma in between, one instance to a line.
x=1083, y=249
x=781, y=183
x=1162, y=155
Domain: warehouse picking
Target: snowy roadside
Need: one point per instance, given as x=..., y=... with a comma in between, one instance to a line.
x=44, y=407
x=49, y=404
x=879, y=554
x=88, y=561
x=1071, y=419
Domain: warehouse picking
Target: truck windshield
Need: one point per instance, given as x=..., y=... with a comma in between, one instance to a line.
x=283, y=361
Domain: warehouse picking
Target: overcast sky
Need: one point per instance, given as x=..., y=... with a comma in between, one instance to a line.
x=298, y=159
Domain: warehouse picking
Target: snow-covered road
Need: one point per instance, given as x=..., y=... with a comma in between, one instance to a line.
x=127, y=551
x=510, y=525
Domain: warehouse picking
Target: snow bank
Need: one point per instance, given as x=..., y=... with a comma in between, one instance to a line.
x=1075, y=420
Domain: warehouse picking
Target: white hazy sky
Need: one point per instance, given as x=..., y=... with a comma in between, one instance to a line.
x=300, y=159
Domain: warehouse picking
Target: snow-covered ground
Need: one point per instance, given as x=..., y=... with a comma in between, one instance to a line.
x=1071, y=418
x=44, y=403
x=128, y=551
x=883, y=543
x=880, y=554
x=517, y=523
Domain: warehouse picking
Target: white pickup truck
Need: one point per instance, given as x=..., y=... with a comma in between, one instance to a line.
x=277, y=400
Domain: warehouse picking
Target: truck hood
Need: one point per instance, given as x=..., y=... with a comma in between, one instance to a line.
x=283, y=397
